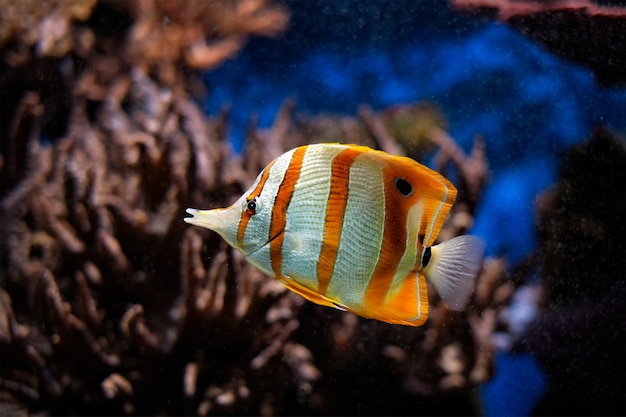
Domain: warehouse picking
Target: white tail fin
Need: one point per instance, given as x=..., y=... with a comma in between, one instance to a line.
x=453, y=267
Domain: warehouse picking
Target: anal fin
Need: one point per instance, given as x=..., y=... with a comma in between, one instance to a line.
x=407, y=304
x=307, y=293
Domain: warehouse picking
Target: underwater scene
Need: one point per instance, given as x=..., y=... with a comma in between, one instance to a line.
x=312, y=207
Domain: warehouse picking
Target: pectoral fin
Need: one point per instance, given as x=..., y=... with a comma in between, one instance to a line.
x=453, y=267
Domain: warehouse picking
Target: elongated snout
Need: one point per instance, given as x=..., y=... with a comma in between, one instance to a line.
x=222, y=220
x=209, y=219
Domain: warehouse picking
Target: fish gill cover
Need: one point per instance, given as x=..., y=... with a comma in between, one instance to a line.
x=111, y=305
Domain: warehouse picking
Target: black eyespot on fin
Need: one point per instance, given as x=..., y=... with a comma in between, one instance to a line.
x=426, y=256
x=404, y=187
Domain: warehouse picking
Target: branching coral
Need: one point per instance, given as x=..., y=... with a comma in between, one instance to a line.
x=47, y=26
x=168, y=33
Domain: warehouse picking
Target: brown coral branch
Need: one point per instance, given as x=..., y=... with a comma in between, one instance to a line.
x=206, y=157
x=58, y=227
x=10, y=329
x=23, y=128
x=474, y=168
x=41, y=164
x=275, y=141
x=92, y=273
x=248, y=281
x=192, y=272
x=274, y=347
x=190, y=379
x=383, y=139
x=135, y=218
x=88, y=307
x=200, y=55
x=483, y=327
x=300, y=359
x=197, y=34
x=116, y=386
x=133, y=326
x=72, y=332
x=211, y=299
x=49, y=383
x=48, y=27
x=112, y=251
x=23, y=390
x=488, y=281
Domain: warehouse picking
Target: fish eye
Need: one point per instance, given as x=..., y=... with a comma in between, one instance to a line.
x=252, y=206
x=404, y=187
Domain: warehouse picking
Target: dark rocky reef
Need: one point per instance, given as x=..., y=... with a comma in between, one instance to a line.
x=582, y=261
x=591, y=33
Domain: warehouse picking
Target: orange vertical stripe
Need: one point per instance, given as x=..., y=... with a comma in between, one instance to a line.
x=279, y=209
x=393, y=244
x=245, y=217
x=335, y=210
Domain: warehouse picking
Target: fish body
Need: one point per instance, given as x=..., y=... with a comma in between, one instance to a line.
x=353, y=228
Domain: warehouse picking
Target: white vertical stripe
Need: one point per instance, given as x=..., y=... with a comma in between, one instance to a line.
x=362, y=232
x=306, y=215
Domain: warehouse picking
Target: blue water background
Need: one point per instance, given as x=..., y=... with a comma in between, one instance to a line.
x=487, y=78
x=516, y=387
